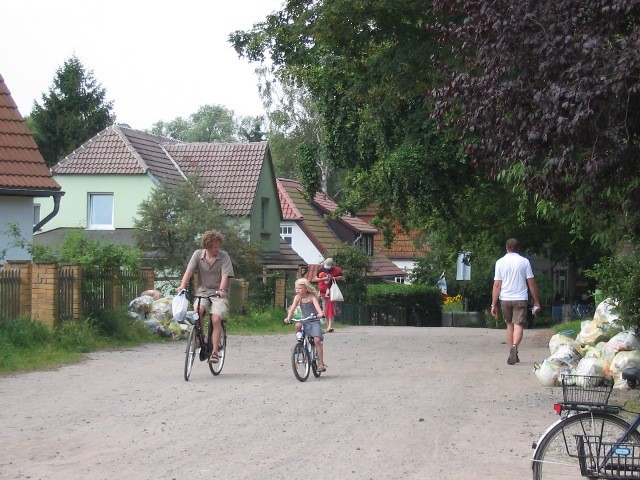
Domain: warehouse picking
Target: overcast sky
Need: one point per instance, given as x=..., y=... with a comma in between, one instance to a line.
x=156, y=60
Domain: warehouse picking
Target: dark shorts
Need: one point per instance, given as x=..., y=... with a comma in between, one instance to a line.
x=514, y=311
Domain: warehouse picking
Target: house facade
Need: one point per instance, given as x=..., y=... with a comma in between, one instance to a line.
x=313, y=233
x=109, y=176
x=24, y=181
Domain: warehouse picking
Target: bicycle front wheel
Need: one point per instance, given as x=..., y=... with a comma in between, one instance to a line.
x=190, y=353
x=216, y=368
x=556, y=455
x=300, y=362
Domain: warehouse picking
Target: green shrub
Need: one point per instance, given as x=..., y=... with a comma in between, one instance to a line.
x=619, y=278
x=427, y=297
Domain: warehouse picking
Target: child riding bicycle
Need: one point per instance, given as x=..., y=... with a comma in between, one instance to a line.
x=307, y=299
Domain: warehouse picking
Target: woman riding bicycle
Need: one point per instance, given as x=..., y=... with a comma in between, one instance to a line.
x=307, y=299
x=214, y=270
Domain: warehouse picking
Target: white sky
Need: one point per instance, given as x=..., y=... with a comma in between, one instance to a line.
x=156, y=59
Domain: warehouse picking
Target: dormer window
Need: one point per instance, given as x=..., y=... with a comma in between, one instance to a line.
x=365, y=242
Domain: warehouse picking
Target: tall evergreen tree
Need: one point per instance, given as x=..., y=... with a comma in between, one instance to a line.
x=71, y=112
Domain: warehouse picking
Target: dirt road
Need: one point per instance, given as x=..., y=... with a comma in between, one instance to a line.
x=395, y=403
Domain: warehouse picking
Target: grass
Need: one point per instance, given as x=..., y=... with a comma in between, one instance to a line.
x=27, y=344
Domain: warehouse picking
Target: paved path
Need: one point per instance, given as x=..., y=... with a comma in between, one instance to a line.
x=395, y=403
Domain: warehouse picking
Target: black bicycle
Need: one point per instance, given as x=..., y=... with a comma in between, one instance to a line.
x=590, y=439
x=304, y=355
x=200, y=340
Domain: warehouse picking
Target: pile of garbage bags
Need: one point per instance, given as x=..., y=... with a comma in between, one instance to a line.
x=155, y=312
x=602, y=348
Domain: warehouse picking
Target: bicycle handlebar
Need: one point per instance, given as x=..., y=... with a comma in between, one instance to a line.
x=306, y=319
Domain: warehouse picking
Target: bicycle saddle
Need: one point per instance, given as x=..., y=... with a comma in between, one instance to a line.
x=631, y=375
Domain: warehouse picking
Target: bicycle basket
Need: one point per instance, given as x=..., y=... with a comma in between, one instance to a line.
x=588, y=390
x=600, y=459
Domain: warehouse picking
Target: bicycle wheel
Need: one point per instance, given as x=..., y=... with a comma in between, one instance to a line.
x=556, y=454
x=300, y=362
x=314, y=363
x=216, y=368
x=190, y=353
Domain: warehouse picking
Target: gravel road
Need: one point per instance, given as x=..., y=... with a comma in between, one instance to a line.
x=395, y=403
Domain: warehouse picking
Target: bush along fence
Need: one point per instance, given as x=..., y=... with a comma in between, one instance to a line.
x=52, y=292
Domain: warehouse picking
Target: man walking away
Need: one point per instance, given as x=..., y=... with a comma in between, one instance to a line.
x=512, y=282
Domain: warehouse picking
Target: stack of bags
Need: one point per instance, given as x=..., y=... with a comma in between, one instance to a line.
x=602, y=348
x=155, y=312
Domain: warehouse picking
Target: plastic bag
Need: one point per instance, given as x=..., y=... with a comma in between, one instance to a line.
x=179, y=306
x=558, y=340
x=593, y=331
x=624, y=360
x=550, y=372
x=626, y=340
x=590, y=366
x=335, y=294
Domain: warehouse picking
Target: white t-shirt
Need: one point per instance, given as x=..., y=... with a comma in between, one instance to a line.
x=513, y=270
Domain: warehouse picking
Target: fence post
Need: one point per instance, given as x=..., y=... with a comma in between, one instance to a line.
x=148, y=276
x=77, y=291
x=280, y=293
x=44, y=298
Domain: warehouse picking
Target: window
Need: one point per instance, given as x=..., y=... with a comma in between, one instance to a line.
x=36, y=214
x=399, y=279
x=286, y=232
x=366, y=243
x=263, y=213
x=101, y=211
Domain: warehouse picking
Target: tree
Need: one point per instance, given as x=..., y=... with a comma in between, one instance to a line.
x=545, y=99
x=366, y=67
x=212, y=123
x=73, y=111
x=170, y=223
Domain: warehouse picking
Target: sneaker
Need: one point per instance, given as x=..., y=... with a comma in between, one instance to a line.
x=321, y=367
x=513, y=355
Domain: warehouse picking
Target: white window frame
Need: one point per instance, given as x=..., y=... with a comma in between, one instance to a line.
x=92, y=224
x=286, y=233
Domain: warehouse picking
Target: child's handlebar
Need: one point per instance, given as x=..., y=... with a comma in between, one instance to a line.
x=299, y=320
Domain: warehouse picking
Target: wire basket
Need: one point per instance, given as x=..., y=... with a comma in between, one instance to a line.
x=600, y=459
x=587, y=390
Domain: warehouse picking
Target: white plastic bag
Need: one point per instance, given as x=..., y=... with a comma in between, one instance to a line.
x=335, y=295
x=179, y=306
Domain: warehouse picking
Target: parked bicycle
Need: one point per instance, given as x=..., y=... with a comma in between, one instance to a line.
x=200, y=342
x=591, y=438
x=582, y=310
x=304, y=357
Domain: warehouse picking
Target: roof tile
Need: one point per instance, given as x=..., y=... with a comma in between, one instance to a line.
x=21, y=164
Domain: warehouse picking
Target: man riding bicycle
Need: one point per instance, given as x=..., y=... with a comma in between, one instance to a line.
x=214, y=270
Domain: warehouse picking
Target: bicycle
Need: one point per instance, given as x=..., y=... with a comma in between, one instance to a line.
x=582, y=310
x=591, y=437
x=197, y=344
x=304, y=357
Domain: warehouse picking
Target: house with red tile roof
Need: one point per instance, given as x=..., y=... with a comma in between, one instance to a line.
x=108, y=177
x=24, y=177
x=403, y=251
x=314, y=234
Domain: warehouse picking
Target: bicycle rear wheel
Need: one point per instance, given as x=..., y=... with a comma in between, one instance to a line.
x=300, y=362
x=556, y=456
x=216, y=368
x=190, y=353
